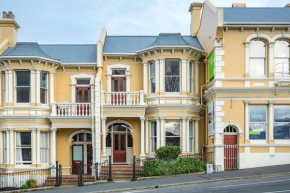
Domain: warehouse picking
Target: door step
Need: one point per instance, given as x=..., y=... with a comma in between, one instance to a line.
x=70, y=180
x=121, y=172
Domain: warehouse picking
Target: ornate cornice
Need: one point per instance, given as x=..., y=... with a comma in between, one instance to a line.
x=125, y=108
x=70, y=119
x=23, y=119
x=173, y=108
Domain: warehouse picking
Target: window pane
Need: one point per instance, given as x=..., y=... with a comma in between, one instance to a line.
x=171, y=67
x=282, y=113
x=258, y=130
x=118, y=72
x=81, y=137
x=108, y=140
x=257, y=49
x=153, y=85
x=86, y=93
x=23, y=154
x=123, y=142
x=89, y=137
x=77, y=153
x=79, y=95
x=130, y=140
x=281, y=131
x=83, y=81
x=43, y=96
x=258, y=113
x=23, y=78
x=190, y=70
x=23, y=95
x=190, y=144
x=172, y=141
x=119, y=127
x=281, y=49
x=122, y=85
x=172, y=128
x=75, y=137
x=43, y=79
x=171, y=84
x=152, y=69
x=282, y=67
x=23, y=139
x=153, y=128
x=153, y=144
x=190, y=128
x=116, y=142
x=257, y=67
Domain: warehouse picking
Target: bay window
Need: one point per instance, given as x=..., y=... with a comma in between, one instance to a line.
x=43, y=87
x=44, y=147
x=172, y=130
x=172, y=76
x=23, y=147
x=190, y=140
x=22, y=86
x=152, y=78
x=281, y=121
x=282, y=58
x=153, y=134
x=258, y=58
x=258, y=122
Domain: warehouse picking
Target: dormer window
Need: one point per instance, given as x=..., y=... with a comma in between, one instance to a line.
x=172, y=76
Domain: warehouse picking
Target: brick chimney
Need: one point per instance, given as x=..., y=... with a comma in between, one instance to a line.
x=239, y=5
x=195, y=10
x=287, y=5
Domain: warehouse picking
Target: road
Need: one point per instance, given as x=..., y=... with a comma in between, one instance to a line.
x=257, y=185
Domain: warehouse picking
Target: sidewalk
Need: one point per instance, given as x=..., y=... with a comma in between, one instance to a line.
x=178, y=180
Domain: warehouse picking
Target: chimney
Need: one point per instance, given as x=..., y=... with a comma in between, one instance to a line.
x=8, y=31
x=195, y=10
x=239, y=5
x=11, y=15
x=4, y=14
x=287, y=5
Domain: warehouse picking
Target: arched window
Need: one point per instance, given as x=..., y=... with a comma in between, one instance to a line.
x=230, y=129
x=117, y=128
x=82, y=137
x=258, y=58
x=282, y=58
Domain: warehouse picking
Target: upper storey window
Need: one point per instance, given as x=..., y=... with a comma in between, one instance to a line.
x=22, y=86
x=282, y=59
x=258, y=58
x=152, y=77
x=191, y=77
x=172, y=76
x=43, y=87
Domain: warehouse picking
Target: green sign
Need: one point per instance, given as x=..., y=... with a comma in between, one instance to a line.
x=211, y=66
x=255, y=132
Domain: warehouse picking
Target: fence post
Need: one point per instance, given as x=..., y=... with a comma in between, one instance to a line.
x=80, y=174
x=97, y=170
x=134, y=168
x=56, y=175
x=60, y=175
x=110, y=179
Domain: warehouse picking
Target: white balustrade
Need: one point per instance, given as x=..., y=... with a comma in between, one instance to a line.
x=71, y=109
x=282, y=70
x=123, y=98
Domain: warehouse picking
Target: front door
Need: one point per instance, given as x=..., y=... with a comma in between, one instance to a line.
x=77, y=157
x=83, y=96
x=230, y=152
x=118, y=89
x=89, y=159
x=119, y=148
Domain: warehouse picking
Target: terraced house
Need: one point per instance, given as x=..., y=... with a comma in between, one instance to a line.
x=224, y=89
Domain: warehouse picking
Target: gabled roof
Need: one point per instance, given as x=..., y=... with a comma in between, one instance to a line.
x=267, y=15
x=66, y=53
x=132, y=44
x=27, y=49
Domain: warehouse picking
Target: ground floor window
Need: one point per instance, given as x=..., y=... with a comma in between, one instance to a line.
x=153, y=136
x=172, y=130
x=190, y=140
x=281, y=121
x=258, y=122
x=23, y=147
x=44, y=147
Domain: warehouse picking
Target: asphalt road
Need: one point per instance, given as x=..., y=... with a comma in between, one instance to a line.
x=257, y=185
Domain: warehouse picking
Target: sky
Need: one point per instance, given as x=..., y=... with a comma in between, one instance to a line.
x=81, y=21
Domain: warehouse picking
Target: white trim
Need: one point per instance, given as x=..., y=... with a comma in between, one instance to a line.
x=1, y=148
x=51, y=85
x=235, y=125
x=37, y=82
x=259, y=35
x=157, y=76
x=74, y=83
x=145, y=74
x=131, y=128
x=161, y=75
x=127, y=74
x=77, y=132
x=196, y=78
x=184, y=76
x=10, y=86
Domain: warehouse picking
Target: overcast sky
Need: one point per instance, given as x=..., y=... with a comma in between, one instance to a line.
x=80, y=21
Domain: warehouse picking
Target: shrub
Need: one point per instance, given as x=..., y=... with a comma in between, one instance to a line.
x=168, y=152
x=24, y=186
x=31, y=183
x=160, y=167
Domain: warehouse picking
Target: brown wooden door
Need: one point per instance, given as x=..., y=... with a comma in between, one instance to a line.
x=77, y=157
x=89, y=159
x=230, y=152
x=83, y=95
x=118, y=84
x=119, y=147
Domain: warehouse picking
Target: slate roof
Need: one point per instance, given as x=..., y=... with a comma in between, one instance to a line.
x=66, y=53
x=257, y=15
x=132, y=44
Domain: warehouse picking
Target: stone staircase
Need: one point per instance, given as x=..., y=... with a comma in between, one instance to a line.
x=69, y=180
x=120, y=172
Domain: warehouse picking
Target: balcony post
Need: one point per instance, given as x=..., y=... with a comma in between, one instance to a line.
x=141, y=97
x=53, y=109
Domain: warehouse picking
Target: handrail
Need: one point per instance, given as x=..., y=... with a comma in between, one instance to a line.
x=123, y=98
x=71, y=109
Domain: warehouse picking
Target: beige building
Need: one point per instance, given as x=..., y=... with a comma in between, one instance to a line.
x=222, y=89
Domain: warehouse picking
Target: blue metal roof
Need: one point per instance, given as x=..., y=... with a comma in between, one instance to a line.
x=131, y=44
x=257, y=15
x=72, y=53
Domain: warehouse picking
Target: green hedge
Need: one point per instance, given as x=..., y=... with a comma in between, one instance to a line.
x=168, y=152
x=161, y=167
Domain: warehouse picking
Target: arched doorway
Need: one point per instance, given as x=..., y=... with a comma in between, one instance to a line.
x=82, y=150
x=230, y=148
x=120, y=140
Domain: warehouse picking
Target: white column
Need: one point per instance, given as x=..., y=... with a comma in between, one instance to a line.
x=128, y=76
x=271, y=58
x=51, y=87
x=271, y=120
x=183, y=134
x=32, y=86
x=196, y=78
x=142, y=137
x=187, y=134
x=37, y=82
x=158, y=131
x=11, y=145
x=183, y=75
x=92, y=94
x=104, y=137
x=53, y=146
x=38, y=145
x=247, y=55
x=1, y=148
x=145, y=77
x=109, y=83
x=10, y=86
x=246, y=120
x=196, y=135
x=162, y=131
x=1, y=88
x=33, y=145
x=7, y=155
x=73, y=93
x=157, y=76
x=6, y=86
x=147, y=136
x=187, y=74
x=161, y=75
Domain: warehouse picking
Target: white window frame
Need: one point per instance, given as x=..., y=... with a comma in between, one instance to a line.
x=15, y=90
x=23, y=162
x=165, y=76
x=190, y=76
x=110, y=68
x=276, y=69
x=153, y=138
x=180, y=127
x=266, y=136
x=44, y=147
x=256, y=58
x=4, y=88
x=46, y=89
x=191, y=137
x=280, y=123
x=152, y=77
